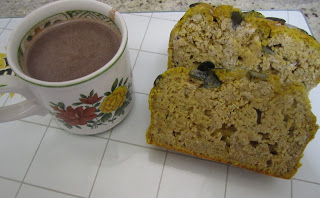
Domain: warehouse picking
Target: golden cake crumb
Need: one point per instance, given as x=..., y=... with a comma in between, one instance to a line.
x=247, y=40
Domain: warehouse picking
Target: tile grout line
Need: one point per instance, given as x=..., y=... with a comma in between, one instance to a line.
x=35, y=153
x=4, y=28
x=311, y=182
x=30, y=122
x=95, y=178
x=137, y=92
x=160, y=180
x=166, y=19
x=53, y=190
x=8, y=23
x=136, y=14
x=7, y=178
x=159, y=53
x=145, y=33
x=154, y=52
x=6, y=98
x=226, y=185
x=132, y=144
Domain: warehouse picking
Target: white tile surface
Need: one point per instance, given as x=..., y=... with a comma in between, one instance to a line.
x=314, y=96
x=137, y=26
x=129, y=171
x=309, y=171
x=296, y=18
x=53, y=123
x=8, y=188
x=246, y=184
x=4, y=22
x=146, y=14
x=133, y=128
x=15, y=99
x=157, y=37
x=133, y=54
x=44, y=120
x=105, y=134
x=303, y=189
x=188, y=177
x=146, y=70
x=279, y=14
x=14, y=23
x=18, y=144
x=3, y=99
x=174, y=16
x=67, y=162
x=28, y=191
x=4, y=37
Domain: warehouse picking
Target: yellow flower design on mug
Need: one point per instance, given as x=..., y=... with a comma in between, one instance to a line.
x=114, y=100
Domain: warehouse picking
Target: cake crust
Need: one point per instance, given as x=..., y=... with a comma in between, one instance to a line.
x=249, y=122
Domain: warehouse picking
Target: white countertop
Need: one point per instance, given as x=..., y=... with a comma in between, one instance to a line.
x=39, y=160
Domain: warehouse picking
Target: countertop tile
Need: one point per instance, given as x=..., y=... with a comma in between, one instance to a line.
x=3, y=99
x=157, y=36
x=18, y=144
x=133, y=54
x=309, y=171
x=174, y=16
x=129, y=171
x=4, y=22
x=105, y=134
x=137, y=26
x=146, y=14
x=246, y=184
x=44, y=120
x=4, y=37
x=314, y=96
x=147, y=68
x=188, y=177
x=28, y=191
x=296, y=18
x=8, y=188
x=14, y=23
x=279, y=14
x=133, y=128
x=303, y=189
x=67, y=162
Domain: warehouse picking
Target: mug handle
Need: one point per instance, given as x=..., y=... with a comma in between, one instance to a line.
x=13, y=84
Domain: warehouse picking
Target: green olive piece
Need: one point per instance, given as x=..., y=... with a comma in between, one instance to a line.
x=236, y=19
x=258, y=75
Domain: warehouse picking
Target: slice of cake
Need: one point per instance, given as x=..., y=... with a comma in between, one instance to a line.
x=238, y=117
x=232, y=39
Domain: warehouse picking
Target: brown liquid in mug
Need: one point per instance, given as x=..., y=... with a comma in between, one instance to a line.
x=70, y=50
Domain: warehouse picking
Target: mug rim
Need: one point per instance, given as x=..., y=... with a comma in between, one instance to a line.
x=13, y=53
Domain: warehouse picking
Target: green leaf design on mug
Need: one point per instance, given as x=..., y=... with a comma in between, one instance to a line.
x=3, y=85
x=114, y=86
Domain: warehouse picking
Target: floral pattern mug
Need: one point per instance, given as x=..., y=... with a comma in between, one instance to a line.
x=87, y=105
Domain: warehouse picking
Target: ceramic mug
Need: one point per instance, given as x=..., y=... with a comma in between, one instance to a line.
x=87, y=105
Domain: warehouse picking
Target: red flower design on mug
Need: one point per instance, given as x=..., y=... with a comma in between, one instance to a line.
x=77, y=116
x=91, y=99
